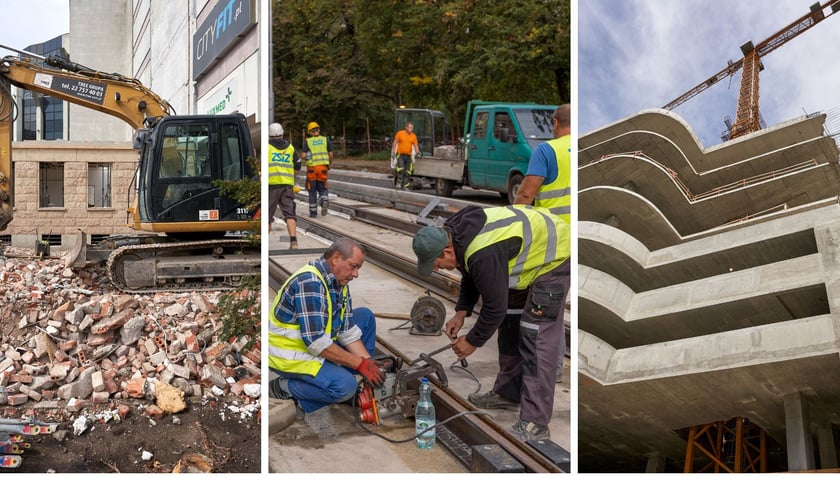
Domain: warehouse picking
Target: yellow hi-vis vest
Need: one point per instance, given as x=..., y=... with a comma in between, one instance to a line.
x=557, y=195
x=281, y=165
x=318, y=154
x=545, y=241
x=287, y=351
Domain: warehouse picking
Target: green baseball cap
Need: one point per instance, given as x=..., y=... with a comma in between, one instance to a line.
x=428, y=244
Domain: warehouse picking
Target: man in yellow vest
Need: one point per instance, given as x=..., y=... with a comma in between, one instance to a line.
x=283, y=160
x=548, y=183
x=516, y=260
x=316, y=340
x=317, y=153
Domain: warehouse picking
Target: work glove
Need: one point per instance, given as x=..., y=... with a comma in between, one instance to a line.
x=370, y=371
x=419, y=154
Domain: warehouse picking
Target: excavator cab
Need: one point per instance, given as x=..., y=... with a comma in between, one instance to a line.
x=181, y=158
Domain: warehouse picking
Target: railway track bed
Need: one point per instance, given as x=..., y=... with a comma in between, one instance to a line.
x=332, y=433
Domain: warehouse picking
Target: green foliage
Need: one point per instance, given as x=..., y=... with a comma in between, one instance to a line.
x=344, y=62
x=246, y=192
x=239, y=312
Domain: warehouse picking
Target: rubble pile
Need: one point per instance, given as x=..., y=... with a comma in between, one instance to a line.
x=70, y=341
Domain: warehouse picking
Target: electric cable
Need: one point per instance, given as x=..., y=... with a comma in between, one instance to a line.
x=459, y=365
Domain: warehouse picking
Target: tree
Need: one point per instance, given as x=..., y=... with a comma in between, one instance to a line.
x=340, y=62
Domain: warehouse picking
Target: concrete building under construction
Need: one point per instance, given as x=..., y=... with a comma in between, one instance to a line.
x=709, y=298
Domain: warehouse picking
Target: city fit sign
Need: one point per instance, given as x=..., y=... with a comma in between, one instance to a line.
x=229, y=20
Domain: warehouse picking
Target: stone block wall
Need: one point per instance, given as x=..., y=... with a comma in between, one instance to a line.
x=30, y=220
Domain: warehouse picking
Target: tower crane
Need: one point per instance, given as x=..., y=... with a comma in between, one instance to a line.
x=747, y=113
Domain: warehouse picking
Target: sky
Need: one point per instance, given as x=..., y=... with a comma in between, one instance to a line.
x=635, y=55
x=27, y=22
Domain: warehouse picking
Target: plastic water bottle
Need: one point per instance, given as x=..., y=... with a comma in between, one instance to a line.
x=424, y=416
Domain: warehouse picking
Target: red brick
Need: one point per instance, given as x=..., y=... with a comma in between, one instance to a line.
x=18, y=399
x=253, y=356
x=58, y=313
x=99, y=397
x=136, y=387
x=21, y=377
x=154, y=411
x=191, y=343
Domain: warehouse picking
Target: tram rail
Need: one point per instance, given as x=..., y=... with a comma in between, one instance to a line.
x=459, y=435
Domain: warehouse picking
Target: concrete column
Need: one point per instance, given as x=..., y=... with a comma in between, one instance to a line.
x=655, y=463
x=827, y=447
x=800, y=451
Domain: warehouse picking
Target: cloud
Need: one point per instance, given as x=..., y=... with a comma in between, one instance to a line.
x=30, y=22
x=640, y=54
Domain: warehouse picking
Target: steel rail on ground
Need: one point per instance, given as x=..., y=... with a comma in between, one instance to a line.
x=468, y=430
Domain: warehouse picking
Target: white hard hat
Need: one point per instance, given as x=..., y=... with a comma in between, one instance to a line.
x=275, y=130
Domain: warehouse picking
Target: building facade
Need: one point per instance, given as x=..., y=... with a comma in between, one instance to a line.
x=72, y=166
x=707, y=292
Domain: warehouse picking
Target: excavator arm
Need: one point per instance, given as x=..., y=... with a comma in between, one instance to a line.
x=114, y=94
x=195, y=244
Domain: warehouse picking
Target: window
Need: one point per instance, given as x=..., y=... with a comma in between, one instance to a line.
x=231, y=153
x=502, y=129
x=184, y=152
x=99, y=185
x=480, y=127
x=53, y=112
x=51, y=185
x=51, y=239
x=30, y=113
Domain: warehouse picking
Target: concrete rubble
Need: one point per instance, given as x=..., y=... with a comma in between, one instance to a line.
x=71, y=344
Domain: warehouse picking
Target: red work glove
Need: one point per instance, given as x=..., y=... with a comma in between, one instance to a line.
x=370, y=371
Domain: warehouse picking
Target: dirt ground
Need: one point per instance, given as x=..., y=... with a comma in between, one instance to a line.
x=228, y=439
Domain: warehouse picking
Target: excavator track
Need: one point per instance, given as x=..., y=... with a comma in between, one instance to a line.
x=184, y=266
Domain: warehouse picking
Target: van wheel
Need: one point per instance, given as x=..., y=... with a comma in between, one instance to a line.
x=513, y=187
x=444, y=187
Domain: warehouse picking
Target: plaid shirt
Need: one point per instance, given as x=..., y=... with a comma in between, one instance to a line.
x=304, y=302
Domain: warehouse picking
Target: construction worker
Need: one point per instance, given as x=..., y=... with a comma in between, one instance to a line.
x=317, y=153
x=548, y=183
x=516, y=260
x=283, y=160
x=404, y=148
x=316, y=340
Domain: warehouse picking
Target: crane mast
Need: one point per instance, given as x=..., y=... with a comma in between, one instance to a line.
x=747, y=113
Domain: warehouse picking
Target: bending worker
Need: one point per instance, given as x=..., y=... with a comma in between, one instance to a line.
x=317, y=153
x=516, y=259
x=316, y=340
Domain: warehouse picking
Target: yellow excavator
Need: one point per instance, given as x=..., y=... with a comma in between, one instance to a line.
x=194, y=239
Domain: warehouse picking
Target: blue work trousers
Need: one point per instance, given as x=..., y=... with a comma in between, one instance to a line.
x=333, y=383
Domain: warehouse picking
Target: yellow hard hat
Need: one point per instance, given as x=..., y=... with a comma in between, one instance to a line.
x=312, y=126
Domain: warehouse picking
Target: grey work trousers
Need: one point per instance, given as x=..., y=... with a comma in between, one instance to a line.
x=529, y=342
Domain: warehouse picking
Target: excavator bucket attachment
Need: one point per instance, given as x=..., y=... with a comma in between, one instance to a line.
x=76, y=257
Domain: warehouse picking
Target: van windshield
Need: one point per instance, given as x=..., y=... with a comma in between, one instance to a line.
x=536, y=124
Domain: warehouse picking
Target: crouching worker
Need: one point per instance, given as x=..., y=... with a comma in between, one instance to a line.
x=317, y=341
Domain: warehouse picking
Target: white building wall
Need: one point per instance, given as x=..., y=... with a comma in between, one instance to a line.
x=100, y=38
